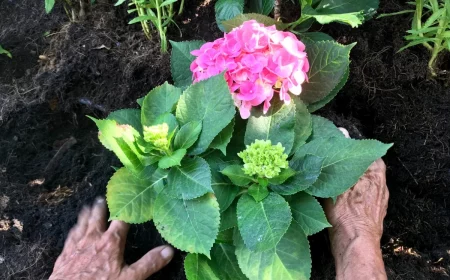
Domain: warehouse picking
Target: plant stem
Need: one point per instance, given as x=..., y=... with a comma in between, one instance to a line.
x=181, y=7
x=417, y=21
x=162, y=34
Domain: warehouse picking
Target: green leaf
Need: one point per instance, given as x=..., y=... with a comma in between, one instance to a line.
x=315, y=36
x=172, y=160
x=290, y=259
x=127, y=116
x=131, y=199
x=189, y=225
x=197, y=267
x=209, y=102
x=225, y=263
x=258, y=192
x=228, y=218
x=277, y=125
x=308, y=213
x=345, y=161
x=159, y=101
x=283, y=176
x=262, y=224
x=227, y=9
x=119, y=2
x=328, y=64
x=264, y=7
x=319, y=104
x=225, y=236
x=223, y=189
x=5, y=52
x=180, y=61
x=237, y=175
x=223, y=138
x=303, y=126
x=187, y=135
x=49, y=4
x=120, y=139
x=353, y=19
x=307, y=169
x=323, y=128
x=190, y=180
x=367, y=7
x=240, y=19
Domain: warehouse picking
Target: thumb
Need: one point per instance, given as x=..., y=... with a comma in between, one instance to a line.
x=150, y=263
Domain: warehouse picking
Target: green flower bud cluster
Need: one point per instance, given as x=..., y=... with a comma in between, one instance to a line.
x=263, y=159
x=157, y=135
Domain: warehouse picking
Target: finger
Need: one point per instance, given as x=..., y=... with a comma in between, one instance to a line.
x=79, y=230
x=345, y=132
x=97, y=220
x=119, y=230
x=151, y=262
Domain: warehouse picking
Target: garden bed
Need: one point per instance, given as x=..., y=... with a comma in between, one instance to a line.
x=51, y=162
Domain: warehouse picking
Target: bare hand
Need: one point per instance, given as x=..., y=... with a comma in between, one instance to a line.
x=93, y=252
x=357, y=220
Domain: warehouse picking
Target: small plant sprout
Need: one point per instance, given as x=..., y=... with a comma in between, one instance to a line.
x=160, y=13
x=5, y=52
x=75, y=9
x=237, y=191
x=430, y=28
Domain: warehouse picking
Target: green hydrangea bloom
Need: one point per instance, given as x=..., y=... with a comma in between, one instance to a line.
x=157, y=135
x=263, y=159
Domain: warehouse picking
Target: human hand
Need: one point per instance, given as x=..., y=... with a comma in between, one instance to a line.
x=357, y=225
x=93, y=252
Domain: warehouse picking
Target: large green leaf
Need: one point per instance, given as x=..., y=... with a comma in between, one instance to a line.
x=189, y=225
x=180, y=61
x=209, y=102
x=190, y=180
x=225, y=263
x=223, y=189
x=120, y=139
x=198, y=267
x=277, y=125
x=289, y=260
x=368, y=7
x=308, y=213
x=258, y=192
x=49, y=4
x=240, y=19
x=307, y=169
x=319, y=104
x=303, y=126
x=187, y=135
x=345, y=161
x=264, y=7
x=158, y=101
x=127, y=116
x=328, y=64
x=324, y=16
x=262, y=224
x=323, y=128
x=227, y=9
x=131, y=199
x=223, y=138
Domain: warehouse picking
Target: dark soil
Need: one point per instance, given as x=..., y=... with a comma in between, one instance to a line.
x=102, y=64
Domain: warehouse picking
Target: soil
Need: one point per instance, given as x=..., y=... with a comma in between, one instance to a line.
x=51, y=163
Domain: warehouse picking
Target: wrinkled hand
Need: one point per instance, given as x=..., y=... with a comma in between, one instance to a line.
x=93, y=252
x=360, y=211
x=357, y=220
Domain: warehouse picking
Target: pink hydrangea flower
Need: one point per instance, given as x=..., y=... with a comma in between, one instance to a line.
x=259, y=61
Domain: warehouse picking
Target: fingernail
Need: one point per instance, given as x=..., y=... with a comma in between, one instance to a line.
x=167, y=253
x=99, y=200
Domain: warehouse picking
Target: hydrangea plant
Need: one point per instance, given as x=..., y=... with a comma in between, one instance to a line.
x=233, y=184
